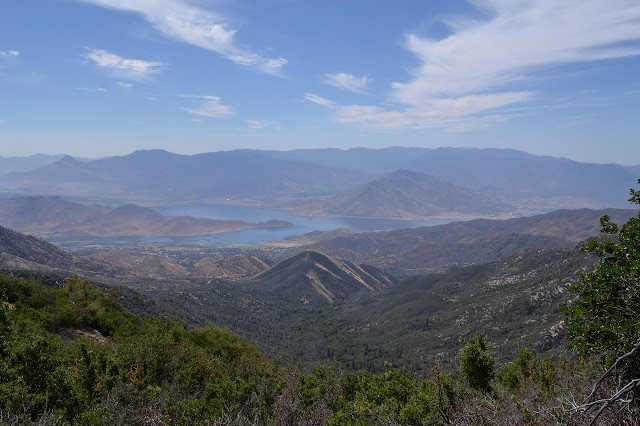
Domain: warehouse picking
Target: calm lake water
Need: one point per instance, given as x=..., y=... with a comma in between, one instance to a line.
x=301, y=224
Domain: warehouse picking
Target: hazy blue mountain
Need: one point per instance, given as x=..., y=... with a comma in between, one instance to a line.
x=163, y=175
x=501, y=172
x=366, y=160
x=31, y=162
x=406, y=194
x=24, y=164
x=635, y=170
x=532, y=183
x=514, y=172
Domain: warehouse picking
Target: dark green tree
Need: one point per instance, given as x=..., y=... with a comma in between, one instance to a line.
x=476, y=364
x=605, y=320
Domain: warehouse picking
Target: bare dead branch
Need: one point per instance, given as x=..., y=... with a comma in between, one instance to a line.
x=613, y=367
x=630, y=387
x=618, y=397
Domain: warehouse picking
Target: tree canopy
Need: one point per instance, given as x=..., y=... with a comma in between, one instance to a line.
x=605, y=318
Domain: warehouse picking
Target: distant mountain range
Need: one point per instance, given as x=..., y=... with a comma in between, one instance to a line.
x=54, y=216
x=503, y=177
x=160, y=175
x=503, y=172
x=24, y=164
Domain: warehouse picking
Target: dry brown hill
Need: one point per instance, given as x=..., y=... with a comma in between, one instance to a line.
x=20, y=251
x=55, y=216
x=313, y=277
x=25, y=252
x=235, y=267
x=151, y=266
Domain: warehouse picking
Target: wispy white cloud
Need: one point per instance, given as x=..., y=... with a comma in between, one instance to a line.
x=461, y=114
x=520, y=38
x=348, y=82
x=92, y=89
x=256, y=124
x=181, y=21
x=209, y=106
x=327, y=103
x=124, y=84
x=8, y=58
x=478, y=74
x=133, y=69
x=464, y=113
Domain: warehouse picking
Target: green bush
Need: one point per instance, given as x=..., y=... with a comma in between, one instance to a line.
x=476, y=364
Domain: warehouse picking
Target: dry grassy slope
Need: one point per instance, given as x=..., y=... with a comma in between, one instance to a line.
x=24, y=252
x=20, y=251
x=152, y=266
x=235, y=267
x=312, y=277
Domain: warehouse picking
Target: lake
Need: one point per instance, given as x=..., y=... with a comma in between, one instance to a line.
x=301, y=224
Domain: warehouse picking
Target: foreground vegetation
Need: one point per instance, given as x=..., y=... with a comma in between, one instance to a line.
x=72, y=355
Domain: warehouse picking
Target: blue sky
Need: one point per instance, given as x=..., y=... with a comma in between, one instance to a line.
x=107, y=77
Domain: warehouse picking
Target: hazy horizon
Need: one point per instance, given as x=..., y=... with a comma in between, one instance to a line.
x=305, y=148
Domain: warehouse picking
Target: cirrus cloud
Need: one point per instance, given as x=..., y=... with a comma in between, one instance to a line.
x=479, y=75
x=210, y=106
x=347, y=82
x=520, y=38
x=178, y=20
x=327, y=103
x=256, y=124
x=134, y=69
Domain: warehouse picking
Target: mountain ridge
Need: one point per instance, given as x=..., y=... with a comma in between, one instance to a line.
x=532, y=183
x=161, y=175
x=313, y=277
x=441, y=247
x=407, y=195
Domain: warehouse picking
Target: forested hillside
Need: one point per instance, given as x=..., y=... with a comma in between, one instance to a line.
x=73, y=356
